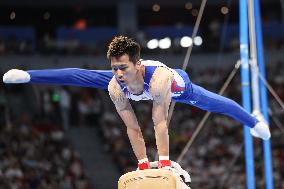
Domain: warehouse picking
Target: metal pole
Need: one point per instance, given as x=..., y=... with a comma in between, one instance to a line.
x=253, y=57
x=263, y=92
x=282, y=15
x=246, y=91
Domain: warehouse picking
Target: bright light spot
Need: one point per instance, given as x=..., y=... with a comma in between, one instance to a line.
x=188, y=5
x=186, y=41
x=194, y=12
x=12, y=15
x=198, y=41
x=81, y=24
x=165, y=43
x=46, y=15
x=153, y=44
x=156, y=7
x=224, y=10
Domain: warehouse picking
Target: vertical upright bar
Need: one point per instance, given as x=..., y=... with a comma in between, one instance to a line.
x=246, y=91
x=263, y=96
x=282, y=16
x=253, y=58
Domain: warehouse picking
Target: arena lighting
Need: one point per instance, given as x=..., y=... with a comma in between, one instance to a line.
x=197, y=41
x=81, y=24
x=188, y=5
x=194, y=12
x=12, y=15
x=165, y=43
x=224, y=10
x=153, y=44
x=185, y=41
x=156, y=7
x=46, y=15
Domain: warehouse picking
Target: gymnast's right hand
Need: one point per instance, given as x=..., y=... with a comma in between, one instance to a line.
x=16, y=76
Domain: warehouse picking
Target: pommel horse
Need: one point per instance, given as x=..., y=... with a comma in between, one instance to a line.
x=171, y=178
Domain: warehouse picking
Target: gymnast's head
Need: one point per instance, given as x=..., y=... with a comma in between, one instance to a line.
x=121, y=45
x=124, y=56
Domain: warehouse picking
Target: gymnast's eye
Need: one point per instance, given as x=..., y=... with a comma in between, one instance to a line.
x=122, y=68
x=114, y=69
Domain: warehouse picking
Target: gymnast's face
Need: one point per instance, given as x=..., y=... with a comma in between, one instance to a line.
x=124, y=69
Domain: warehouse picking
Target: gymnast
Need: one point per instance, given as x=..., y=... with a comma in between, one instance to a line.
x=132, y=78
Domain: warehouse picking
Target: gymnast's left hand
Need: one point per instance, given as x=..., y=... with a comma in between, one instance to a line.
x=16, y=76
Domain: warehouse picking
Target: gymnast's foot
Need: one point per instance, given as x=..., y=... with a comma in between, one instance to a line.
x=261, y=129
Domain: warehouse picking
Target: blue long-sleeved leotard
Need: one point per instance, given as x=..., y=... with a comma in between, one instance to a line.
x=193, y=95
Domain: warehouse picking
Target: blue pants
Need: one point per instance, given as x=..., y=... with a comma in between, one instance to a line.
x=212, y=102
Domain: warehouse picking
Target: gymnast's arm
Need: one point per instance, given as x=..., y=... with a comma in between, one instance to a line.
x=66, y=76
x=128, y=116
x=160, y=88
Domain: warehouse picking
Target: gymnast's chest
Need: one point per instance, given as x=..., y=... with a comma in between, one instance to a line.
x=146, y=95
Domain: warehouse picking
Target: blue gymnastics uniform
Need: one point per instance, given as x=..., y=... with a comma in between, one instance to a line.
x=183, y=90
x=72, y=77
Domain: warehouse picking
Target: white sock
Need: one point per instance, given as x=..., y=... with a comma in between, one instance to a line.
x=261, y=130
x=164, y=158
x=143, y=160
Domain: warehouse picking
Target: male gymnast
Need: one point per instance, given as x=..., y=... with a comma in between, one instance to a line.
x=137, y=79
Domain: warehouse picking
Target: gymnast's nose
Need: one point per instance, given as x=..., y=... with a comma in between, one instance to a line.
x=119, y=74
x=120, y=77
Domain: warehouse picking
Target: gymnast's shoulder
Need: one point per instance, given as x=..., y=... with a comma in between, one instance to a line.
x=161, y=79
x=116, y=94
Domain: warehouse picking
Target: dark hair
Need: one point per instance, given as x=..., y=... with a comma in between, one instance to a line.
x=121, y=45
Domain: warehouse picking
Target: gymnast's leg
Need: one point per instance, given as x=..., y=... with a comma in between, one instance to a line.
x=213, y=102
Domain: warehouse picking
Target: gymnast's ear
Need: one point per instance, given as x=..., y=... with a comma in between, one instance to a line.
x=138, y=64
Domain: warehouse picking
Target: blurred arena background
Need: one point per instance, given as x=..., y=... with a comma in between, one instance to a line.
x=72, y=138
